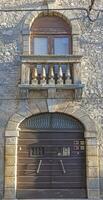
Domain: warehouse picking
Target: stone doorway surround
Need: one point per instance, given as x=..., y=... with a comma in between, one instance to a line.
x=50, y=105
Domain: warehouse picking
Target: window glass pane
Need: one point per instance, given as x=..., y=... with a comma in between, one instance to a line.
x=36, y=151
x=66, y=151
x=40, y=46
x=63, y=151
x=82, y=148
x=61, y=46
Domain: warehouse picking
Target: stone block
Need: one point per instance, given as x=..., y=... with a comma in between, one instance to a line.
x=91, y=141
x=79, y=113
x=64, y=94
x=10, y=150
x=51, y=92
x=101, y=184
x=1, y=170
x=101, y=170
x=26, y=43
x=93, y=183
x=16, y=118
x=75, y=27
x=92, y=161
x=24, y=110
x=25, y=38
x=92, y=172
x=10, y=193
x=69, y=110
x=91, y=150
x=12, y=133
x=1, y=149
x=31, y=17
x=42, y=105
x=90, y=134
x=11, y=140
x=101, y=160
x=10, y=171
x=10, y=182
x=25, y=49
x=57, y=105
x=52, y=105
x=88, y=123
x=11, y=126
x=1, y=193
x=12, y=199
x=2, y=131
x=32, y=106
x=39, y=94
x=10, y=160
x=94, y=194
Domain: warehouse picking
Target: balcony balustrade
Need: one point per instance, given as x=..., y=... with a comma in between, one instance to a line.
x=51, y=73
x=44, y=72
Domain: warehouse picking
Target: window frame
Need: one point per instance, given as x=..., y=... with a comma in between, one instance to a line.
x=50, y=42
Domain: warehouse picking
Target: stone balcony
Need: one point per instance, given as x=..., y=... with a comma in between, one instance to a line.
x=51, y=71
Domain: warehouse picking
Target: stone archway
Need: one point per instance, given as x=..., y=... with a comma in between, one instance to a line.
x=11, y=138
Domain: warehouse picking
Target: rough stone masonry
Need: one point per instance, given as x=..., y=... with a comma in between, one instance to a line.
x=91, y=47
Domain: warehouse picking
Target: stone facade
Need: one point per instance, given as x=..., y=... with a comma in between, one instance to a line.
x=14, y=109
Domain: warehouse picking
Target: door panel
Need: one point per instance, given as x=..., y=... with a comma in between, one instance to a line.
x=38, y=194
x=51, y=165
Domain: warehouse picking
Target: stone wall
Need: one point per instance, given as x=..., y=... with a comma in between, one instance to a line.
x=91, y=43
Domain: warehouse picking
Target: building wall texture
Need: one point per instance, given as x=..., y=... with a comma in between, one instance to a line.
x=91, y=47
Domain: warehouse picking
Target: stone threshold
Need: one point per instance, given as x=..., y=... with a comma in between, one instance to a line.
x=58, y=199
x=55, y=199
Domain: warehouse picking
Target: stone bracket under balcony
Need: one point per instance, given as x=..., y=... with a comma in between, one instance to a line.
x=52, y=91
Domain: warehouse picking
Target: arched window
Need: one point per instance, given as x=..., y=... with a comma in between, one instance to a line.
x=50, y=35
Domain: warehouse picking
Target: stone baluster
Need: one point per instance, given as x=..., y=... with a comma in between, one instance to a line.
x=60, y=76
x=43, y=81
x=51, y=76
x=76, y=73
x=25, y=74
x=68, y=75
x=34, y=76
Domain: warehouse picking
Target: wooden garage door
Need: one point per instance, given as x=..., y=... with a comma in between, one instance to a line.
x=51, y=162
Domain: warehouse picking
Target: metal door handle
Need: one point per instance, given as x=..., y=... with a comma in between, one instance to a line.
x=64, y=171
x=38, y=170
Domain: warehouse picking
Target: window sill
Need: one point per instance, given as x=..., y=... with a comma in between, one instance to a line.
x=47, y=86
x=51, y=59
